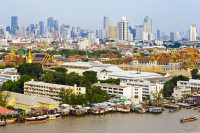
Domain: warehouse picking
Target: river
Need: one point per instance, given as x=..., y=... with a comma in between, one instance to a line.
x=113, y=123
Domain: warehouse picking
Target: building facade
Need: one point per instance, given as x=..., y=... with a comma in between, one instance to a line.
x=49, y=90
x=186, y=87
x=128, y=92
x=123, y=26
x=192, y=33
x=112, y=32
x=8, y=75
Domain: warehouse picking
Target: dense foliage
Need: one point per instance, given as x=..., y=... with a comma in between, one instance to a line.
x=59, y=76
x=91, y=76
x=3, y=98
x=169, y=85
x=31, y=69
x=16, y=86
x=111, y=81
x=95, y=54
x=67, y=96
x=194, y=74
x=97, y=95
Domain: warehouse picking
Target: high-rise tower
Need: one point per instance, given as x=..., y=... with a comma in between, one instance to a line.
x=105, y=22
x=123, y=26
x=14, y=24
x=192, y=33
x=147, y=24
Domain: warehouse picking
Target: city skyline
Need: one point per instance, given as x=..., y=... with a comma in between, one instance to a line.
x=173, y=18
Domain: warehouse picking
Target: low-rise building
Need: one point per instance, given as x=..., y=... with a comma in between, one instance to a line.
x=128, y=92
x=147, y=88
x=186, y=87
x=8, y=74
x=27, y=102
x=49, y=90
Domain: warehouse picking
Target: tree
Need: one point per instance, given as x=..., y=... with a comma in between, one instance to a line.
x=16, y=86
x=31, y=69
x=111, y=80
x=97, y=95
x=73, y=78
x=169, y=85
x=23, y=78
x=7, y=85
x=91, y=76
x=61, y=69
x=157, y=94
x=65, y=95
x=60, y=78
x=49, y=77
x=3, y=98
x=68, y=97
x=194, y=74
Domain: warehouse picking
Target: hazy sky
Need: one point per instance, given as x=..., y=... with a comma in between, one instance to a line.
x=167, y=15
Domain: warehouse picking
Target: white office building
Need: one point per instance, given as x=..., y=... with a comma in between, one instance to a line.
x=8, y=74
x=147, y=24
x=186, y=87
x=192, y=33
x=128, y=92
x=49, y=90
x=139, y=32
x=123, y=27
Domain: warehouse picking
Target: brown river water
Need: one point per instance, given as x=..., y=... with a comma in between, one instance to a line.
x=113, y=123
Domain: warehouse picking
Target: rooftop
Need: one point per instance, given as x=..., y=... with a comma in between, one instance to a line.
x=30, y=99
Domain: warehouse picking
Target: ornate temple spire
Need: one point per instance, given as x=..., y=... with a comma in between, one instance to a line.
x=173, y=54
x=138, y=53
x=29, y=58
x=155, y=52
x=12, y=52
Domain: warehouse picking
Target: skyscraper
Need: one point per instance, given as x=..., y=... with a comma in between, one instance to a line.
x=158, y=34
x=123, y=26
x=41, y=27
x=139, y=29
x=112, y=32
x=105, y=22
x=52, y=24
x=14, y=24
x=192, y=33
x=147, y=24
x=22, y=31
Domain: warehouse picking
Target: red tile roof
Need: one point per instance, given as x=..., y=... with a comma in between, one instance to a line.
x=5, y=111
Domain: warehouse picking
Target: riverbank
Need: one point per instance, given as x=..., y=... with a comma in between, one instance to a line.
x=113, y=123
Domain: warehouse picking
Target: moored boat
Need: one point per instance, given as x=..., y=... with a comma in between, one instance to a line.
x=187, y=119
x=123, y=109
x=35, y=119
x=172, y=110
x=51, y=117
x=10, y=121
x=2, y=123
x=155, y=110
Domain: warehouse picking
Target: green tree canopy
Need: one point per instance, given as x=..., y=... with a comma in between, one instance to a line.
x=61, y=69
x=31, y=69
x=169, y=85
x=194, y=74
x=111, y=80
x=68, y=97
x=3, y=98
x=97, y=95
x=91, y=76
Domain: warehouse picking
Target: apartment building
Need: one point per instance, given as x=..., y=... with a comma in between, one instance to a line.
x=186, y=87
x=8, y=74
x=128, y=92
x=49, y=90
